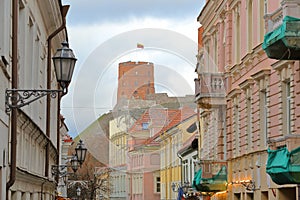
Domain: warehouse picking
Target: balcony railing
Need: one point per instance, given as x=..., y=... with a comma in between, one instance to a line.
x=211, y=177
x=208, y=87
x=273, y=20
x=282, y=40
x=288, y=8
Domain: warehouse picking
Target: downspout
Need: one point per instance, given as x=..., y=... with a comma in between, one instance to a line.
x=58, y=131
x=14, y=85
x=181, y=181
x=64, y=10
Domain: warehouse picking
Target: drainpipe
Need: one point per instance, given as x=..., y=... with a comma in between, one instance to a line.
x=64, y=10
x=181, y=181
x=14, y=82
x=58, y=131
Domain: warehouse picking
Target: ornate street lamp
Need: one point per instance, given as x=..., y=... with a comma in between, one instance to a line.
x=64, y=63
x=80, y=152
x=76, y=161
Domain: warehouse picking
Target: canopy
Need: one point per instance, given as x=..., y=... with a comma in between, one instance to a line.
x=217, y=183
x=284, y=166
x=284, y=41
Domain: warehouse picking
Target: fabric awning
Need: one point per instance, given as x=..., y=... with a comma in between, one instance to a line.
x=283, y=43
x=190, y=146
x=284, y=166
x=216, y=183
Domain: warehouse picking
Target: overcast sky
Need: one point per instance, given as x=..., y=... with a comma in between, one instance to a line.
x=105, y=33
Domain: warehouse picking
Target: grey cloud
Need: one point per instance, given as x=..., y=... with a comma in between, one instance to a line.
x=92, y=11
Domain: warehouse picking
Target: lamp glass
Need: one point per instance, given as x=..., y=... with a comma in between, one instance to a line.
x=74, y=163
x=80, y=152
x=64, y=62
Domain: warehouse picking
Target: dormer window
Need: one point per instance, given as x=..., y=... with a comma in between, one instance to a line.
x=145, y=125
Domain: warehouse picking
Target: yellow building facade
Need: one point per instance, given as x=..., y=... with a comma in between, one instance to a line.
x=171, y=141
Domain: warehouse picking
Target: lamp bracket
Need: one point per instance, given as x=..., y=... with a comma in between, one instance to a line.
x=59, y=170
x=249, y=185
x=17, y=98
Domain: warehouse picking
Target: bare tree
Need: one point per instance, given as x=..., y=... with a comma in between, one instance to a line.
x=94, y=184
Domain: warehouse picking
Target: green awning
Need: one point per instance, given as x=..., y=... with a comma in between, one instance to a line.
x=284, y=166
x=283, y=43
x=215, y=184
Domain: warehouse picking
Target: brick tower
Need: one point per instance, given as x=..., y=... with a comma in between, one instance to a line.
x=136, y=80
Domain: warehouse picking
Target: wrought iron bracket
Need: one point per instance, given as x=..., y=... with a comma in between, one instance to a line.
x=249, y=185
x=17, y=98
x=59, y=170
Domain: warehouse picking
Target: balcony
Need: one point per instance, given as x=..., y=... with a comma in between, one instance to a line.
x=282, y=40
x=283, y=166
x=211, y=177
x=210, y=90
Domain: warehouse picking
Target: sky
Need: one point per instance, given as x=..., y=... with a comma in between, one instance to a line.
x=103, y=33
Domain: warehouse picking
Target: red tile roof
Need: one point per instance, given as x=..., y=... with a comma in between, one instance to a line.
x=161, y=120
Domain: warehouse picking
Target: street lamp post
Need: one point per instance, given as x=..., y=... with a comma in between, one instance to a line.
x=64, y=63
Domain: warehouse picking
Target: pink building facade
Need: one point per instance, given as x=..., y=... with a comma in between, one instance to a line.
x=259, y=95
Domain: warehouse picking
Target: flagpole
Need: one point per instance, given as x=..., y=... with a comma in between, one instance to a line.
x=141, y=47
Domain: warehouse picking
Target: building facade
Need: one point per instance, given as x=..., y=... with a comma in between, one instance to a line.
x=260, y=109
x=29, y=135
x=176, y=160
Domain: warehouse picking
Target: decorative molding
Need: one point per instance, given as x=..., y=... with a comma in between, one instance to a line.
x=246, y=83
x=261, y=74
x=280, y=64
x=234, y=93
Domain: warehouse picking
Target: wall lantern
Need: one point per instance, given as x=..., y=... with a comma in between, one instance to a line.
x=64, y=63
x=80, y=152
x=76, y=161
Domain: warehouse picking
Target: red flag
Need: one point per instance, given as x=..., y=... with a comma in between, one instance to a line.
x=139, y=45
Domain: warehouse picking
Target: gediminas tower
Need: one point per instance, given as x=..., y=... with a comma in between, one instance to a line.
x=135, y=80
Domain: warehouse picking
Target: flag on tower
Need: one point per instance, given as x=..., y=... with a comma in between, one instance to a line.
x=139, y=45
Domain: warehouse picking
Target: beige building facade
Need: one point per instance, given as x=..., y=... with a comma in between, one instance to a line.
x=35, y=135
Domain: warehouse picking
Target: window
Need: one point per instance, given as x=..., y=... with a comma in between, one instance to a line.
x=157, y=184
x=236, y=127
x=262, y=80
x=266, y=6
x=145, y=125
x=185, y=166
x=286, y=96
x=264, y=116
x=238, y=38
x=249, y=122
x=216, y=49
x=261, y=25
x=250, y=24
